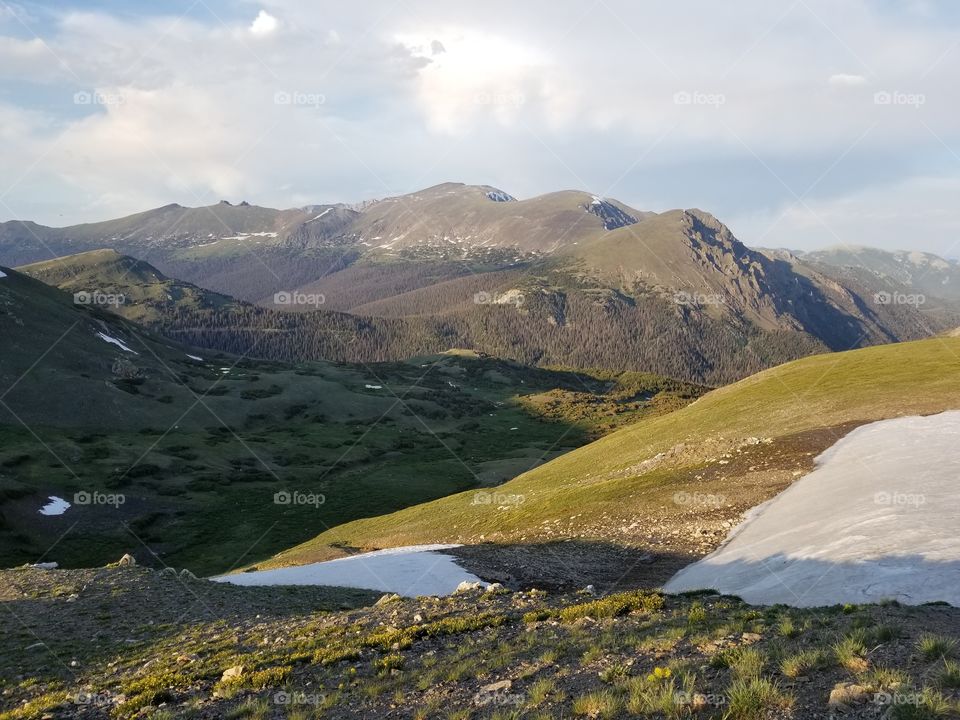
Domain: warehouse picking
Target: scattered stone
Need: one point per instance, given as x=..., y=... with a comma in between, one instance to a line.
x=467, y=586
x=389, y=598
x=845, y=694
x=232, y=673
x=497, y=687
x=495, y=589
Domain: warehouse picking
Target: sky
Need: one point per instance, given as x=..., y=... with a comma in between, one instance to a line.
x=800, y=124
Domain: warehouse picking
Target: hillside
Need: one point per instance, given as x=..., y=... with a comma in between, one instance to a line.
x=670, y=487
x=565, y=278
x=915, y=271
x=182, y=647
x=541, y=324
x=198, y=444
x=144, y=294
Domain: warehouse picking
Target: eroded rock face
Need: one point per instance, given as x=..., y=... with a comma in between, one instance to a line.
x=613, y=217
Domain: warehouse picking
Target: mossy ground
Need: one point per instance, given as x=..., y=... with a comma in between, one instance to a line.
x=130, y=642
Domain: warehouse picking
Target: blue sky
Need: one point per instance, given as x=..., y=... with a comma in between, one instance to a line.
x=799, y=124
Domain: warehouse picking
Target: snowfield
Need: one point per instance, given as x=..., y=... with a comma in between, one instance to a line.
x=877, y=519
x=56, y=506
x=408, y=571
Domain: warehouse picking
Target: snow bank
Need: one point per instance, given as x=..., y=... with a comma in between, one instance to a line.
x=56, y=506
x=877, y=519
x=409, y=571
x=2, y=274
x=195, y=357
x=114, y=341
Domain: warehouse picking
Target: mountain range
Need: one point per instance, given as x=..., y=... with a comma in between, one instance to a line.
x=567, y=278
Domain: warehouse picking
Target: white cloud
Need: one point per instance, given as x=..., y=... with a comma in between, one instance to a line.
x=264, y=24
x=846, y=80
x=915, y=213
x=531, y=97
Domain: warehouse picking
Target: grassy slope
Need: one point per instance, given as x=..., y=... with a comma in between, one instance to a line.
x=199, y=448
x=601, y=486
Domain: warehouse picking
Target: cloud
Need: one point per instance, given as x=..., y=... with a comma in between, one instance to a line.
x=730, y=112
x=846, y=80
x=264, y=24
x=917, y=212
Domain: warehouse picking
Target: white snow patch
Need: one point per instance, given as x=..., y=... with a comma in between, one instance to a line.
x=246, y=236
x=114, y=341
x=2, y=274
x=877, y=519
x=374, y=387
x=319, y=216
x=56, y=506
x=195, y=357
x=410, y=571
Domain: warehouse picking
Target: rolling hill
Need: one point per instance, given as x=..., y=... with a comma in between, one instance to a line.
x=670, y=487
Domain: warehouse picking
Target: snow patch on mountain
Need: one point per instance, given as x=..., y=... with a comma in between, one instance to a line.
x=611, y=215
x=877, y=519
x=409, y=571
x=56, y=506
x=114, y=341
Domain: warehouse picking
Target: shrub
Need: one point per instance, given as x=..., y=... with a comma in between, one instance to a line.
x=756, y=699
x=600, y=704
x=803, y=662
x=612, y=606
x=936, y=647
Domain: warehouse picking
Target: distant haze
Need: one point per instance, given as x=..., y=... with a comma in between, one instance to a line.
x=799, y=125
